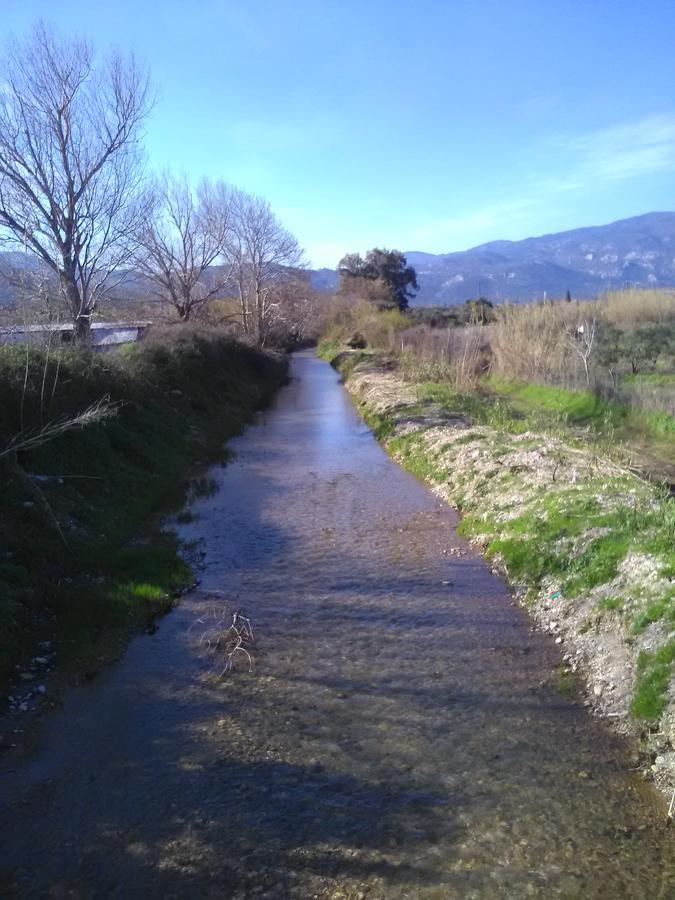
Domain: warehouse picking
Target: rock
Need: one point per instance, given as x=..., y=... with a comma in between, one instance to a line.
x=558, y=640
x=41, y=689
x=597, y=690
x=660, y=761
x=27, y=676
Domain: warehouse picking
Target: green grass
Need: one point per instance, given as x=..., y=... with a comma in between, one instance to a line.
x=381, y=426
x=665, y=378
x=96, y=611
x=611, y=604
x=548, y=406
x=659, y=609
x=409, y=449
x=536, y=544
x=655, y=670
x=328, y=350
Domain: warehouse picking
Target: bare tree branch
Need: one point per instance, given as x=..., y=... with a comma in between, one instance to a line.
x=182, y=240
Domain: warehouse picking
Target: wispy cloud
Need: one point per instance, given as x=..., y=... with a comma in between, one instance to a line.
x=624, y=151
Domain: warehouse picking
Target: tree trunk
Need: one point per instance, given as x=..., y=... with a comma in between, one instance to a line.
x=260, y=316
x=82, y=330
x=81, y=315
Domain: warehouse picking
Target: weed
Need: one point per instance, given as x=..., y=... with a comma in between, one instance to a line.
x=654, y=673
x=611, y=604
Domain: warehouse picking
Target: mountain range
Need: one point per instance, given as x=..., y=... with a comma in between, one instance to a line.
x=639, y=252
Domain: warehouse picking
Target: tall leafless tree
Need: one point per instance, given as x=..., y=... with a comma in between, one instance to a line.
x=264, y=256
x=71, y=165
x=183, y=239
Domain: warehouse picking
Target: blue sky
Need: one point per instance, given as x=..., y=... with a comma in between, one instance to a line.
x=422, y=126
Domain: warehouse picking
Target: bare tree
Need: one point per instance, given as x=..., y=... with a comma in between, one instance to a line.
x=264, y=256
x=71, y=166
x=581, y=340
x=299, y=311
x=181, y=241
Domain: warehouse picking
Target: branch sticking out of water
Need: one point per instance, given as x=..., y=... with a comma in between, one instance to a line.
x=226, y=631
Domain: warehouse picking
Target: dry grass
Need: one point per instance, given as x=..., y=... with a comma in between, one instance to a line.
x=536, y=341
x=540, y=343
x=528, y=342
x=356, y=318
x=456, y=356
x=635, y=306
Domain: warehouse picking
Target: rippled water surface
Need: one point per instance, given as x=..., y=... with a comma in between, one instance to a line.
x=401, y=735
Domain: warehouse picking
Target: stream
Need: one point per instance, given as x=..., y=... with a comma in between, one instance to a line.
x=402, y=734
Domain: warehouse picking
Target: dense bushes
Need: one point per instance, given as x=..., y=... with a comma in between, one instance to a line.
x=359, y=319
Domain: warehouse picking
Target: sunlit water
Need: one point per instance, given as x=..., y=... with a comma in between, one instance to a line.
x=402, y=734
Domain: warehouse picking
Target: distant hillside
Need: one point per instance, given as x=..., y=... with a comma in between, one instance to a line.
x=586, y=261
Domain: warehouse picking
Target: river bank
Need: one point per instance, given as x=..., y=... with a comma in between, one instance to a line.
x=84, y=560
x=587, y=546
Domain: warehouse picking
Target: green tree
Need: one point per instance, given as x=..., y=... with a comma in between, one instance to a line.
x=388, y=268
x=636, y=349
x=643, y=346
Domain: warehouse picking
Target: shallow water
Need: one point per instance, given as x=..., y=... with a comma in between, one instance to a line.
x=400, y=736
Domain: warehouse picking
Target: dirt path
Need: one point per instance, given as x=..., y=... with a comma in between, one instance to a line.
x=402, y=734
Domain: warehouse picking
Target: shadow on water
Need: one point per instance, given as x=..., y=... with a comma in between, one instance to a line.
x=402, y=734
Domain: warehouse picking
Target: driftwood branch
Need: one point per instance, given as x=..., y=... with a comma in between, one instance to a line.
x=228, y=632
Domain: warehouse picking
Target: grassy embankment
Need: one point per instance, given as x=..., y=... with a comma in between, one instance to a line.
x=536, y=473
x=80, y=558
